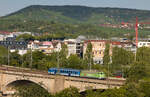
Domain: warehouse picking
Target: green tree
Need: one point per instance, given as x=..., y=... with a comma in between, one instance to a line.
x=114, y=93
x=121, y=56
x=132, y=90
x=137, y=72
x=91, y=93
x=143, y=54
x=26, y=59
x=62, y=55
x=74, y=62
x=106, y=58
x=25, y=37
x=69, y=92
x=15, y=59
x=145, y=88
x=88, y=57
x=38, y=60
x=31, y=90
x=3, y=55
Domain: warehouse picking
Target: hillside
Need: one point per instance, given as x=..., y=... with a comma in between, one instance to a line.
x=78, y=14
x=72, y=21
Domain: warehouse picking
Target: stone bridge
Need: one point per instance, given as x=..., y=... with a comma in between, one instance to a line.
x=53, y=83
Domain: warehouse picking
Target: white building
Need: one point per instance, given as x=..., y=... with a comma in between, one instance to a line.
x=74, y=47
x=47, y=47
x=141, y=44
x=1, y=37
x=71, y=45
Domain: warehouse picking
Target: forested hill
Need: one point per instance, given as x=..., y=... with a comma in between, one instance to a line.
x=78, y=14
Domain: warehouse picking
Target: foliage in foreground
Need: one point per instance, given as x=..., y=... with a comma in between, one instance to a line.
x=129, y=90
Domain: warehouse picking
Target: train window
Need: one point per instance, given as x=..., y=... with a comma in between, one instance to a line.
x=61, y=71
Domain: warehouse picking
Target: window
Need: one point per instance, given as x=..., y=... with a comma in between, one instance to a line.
x=99, y=52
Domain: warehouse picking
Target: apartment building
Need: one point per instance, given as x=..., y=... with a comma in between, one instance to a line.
x=98, y=48
x=74, y=47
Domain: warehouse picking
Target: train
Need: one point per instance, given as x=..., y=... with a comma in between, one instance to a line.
x=77, y=73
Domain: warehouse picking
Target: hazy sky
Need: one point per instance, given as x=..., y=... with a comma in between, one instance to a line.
x=8, y=6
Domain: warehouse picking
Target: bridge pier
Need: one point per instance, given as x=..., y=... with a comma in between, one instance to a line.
x=59, y=83
x=2, y=79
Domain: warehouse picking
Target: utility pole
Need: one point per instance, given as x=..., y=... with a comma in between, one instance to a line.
x=8, y=57
x=108, y=67
x=90, y=60
x=136, y=30
x=31, y=59
x=31, y=54
x=58, y=67
x=108, y=76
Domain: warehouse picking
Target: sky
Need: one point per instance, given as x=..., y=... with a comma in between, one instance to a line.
x=9, y=6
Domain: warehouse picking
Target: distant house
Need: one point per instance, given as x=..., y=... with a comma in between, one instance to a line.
x=46, y=47
x=19, y=46
x=1, y=37
x=143, y=43
x=57, y=45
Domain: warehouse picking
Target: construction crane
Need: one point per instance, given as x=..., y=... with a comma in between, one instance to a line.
x=136, y=28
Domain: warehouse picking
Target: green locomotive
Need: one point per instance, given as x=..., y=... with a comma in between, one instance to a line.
x=89, y=74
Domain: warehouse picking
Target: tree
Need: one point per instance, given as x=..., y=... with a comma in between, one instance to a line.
x=88, y=57
x=25, y=37
x=74, y=62
x=15, y=59
x=31, y=90
x=62, y=55
x=92, y=93
x=114, y=93
x=38, y=60
x=145, y=88
x=137, y=72
x=143, y=54
x=106, y=58
x=121, y=56
x=26, y=59
x=69, y=92
x=132, y=90
x=3, y=55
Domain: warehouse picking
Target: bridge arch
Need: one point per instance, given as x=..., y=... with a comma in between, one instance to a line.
x=10, y=82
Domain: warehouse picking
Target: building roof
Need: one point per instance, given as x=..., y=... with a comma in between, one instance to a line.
x=5, y=32
x=47, y=43
x=87, y=41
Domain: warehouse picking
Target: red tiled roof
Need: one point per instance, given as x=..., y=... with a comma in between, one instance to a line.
x=5, y=32
x=116, y=43
x=87, y=41
x=47, y=43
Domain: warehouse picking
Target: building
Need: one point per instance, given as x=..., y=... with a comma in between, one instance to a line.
x=98, y=48
x=142, y=43
x=13, y=46
x=74, y=47
x=46, y=47
x=1, y=37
